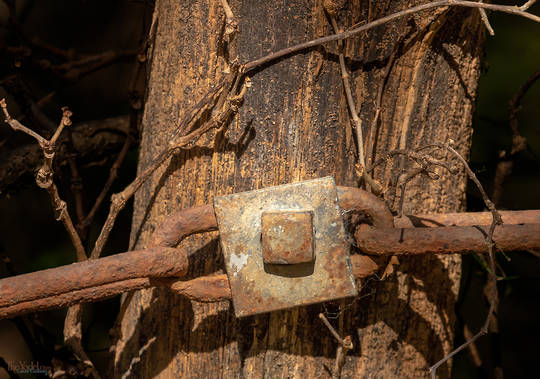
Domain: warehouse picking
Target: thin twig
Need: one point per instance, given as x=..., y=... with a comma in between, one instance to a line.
x=341, y=353
x=416, y=156
x=425, y=163
x=383, y=20
x=352, y=110
x=345, y=344
x=73, y=320
x=229, y=108
x=44, y=177
x=527, y=5
x=231, y=25
x=113, y=174
x=496, y=220
x=73, y=337
x=16, y=125
x=348, y=93
x=485, y=20
x=75, y=70
x=423, y=160
x=331, y=329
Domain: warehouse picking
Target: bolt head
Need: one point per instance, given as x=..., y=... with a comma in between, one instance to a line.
x=287, y=237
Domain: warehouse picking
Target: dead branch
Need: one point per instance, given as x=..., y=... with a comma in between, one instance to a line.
x=424, y=160
x=485, y=20
x=353, y=112
x=136, y=106
x=227, y=91
x=93, y=140
x=496, y=220
x=383, y=20
x=231, y=24
x=344, y=345
x=113, y=174
x=527, y=5
x=77, y=69
x=73, y=337
x=44, y=177
x=425, y=165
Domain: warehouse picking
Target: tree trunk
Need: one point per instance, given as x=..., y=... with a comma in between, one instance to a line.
x=294, y=125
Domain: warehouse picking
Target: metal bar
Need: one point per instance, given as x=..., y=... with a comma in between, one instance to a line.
x=67, y=299
x=355, y=199
x=153, y=263
x=183, y=223
x=445, y=240
x=467, y=219
x=376, y=241
x=203, y=289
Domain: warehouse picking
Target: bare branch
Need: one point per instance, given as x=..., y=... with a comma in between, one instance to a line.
x=44, y=177
x=383, y=20
x=16, y=125
x=73, y=337
x=485, y=20
x=93, y=140
x=345, y=344
x=113, y=174
x=370, y=141
x=217, y=121
x=231, y=25
x=353, y=112
x=527, y=5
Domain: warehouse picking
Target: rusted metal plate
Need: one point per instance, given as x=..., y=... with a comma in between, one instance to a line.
x=287, y=237
x=257, y=287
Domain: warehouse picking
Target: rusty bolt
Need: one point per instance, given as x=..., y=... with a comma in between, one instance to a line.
x=287, y=237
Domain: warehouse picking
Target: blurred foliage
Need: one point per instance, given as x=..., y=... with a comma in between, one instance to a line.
x=511, y=57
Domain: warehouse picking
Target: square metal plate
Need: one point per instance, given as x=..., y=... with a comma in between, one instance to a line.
x=258, y=287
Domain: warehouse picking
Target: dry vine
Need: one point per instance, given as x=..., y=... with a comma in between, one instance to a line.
x=44, y=179
x=425, y=161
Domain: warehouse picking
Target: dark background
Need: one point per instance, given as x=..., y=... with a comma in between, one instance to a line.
x=33, y=240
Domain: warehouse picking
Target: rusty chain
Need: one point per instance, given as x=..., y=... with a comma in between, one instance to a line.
x=164, y=263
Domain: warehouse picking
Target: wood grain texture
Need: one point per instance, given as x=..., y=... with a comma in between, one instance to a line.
x=294, y=125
